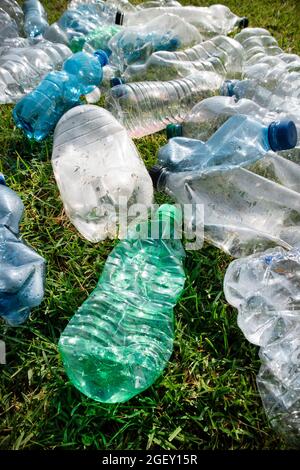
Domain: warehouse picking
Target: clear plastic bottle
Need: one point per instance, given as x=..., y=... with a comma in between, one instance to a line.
x=12, y=8
x=8, y=27
x=38, y=113
x=135, y=44
x=121, y=338
x=243, y=212
x=240, y=141
x=22, y=270
x=265, y=289
x=220, y=54
x=158, y=3
x=148, y=107
x=210, y=21
x=97, y=39
x=22, y=68
x=35, y=18
x=98, y=171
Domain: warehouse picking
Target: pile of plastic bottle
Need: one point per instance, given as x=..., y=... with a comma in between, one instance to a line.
x=230, y=106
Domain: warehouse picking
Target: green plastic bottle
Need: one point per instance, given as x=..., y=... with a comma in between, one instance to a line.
x=101, y=35
x=121, y=338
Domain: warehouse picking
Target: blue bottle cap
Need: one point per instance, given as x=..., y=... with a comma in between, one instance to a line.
x=2, y=179
x=115, y=81
x=101, y=56
x=227, y=88
x=174, y=130
x=282, y=135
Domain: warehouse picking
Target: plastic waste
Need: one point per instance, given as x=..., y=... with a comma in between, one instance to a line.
x=158, y=3
x=12, y=8
x=243, y=212
x=265, y=289
x=135, y=44
x=220, y=54
x=121, y=338
x=35, y=18
x=98, y=171
x=210, y=21
x=147, y=107
x=97, y=39
x=22, y=66
x=22, y=270
x=8, y=26
x=38, y=113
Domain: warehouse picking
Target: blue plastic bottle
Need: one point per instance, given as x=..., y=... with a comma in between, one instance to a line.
x=240, y=141
x=38, y=112
x=22, y=270
x=35, y=18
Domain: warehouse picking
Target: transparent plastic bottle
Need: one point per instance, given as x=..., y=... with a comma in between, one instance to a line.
x=148, y=107
x=8, y=26
x=121, y=338
x=210, y=21
x=12, y=8
x=158, y=3
x=243, y=212
x=38, y=113
x=82, y=20
x=97, y=39
x=135, y=44
x=220, y=54
x=98, y=171
x=35, y=18
x=22, y=68
x=240, y=141
x=265, y=289
x=22, y=270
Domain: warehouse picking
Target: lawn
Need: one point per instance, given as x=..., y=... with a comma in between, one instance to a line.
x=206, y=398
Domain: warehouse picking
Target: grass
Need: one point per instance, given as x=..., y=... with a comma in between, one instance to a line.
x=206, y=398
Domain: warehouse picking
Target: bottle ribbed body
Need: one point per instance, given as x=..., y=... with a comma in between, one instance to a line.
x=147, y=107
x=121, y=338
x=35, y=18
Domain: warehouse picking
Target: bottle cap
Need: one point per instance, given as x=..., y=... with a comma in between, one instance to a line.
x=101, y=56
x=169, y=212
x=174, y=130
x=227, y=88
x=156, y=173
x=115, y=81
x=2, y=179
x=244, y=22
x=282, y=135
x=119, y=18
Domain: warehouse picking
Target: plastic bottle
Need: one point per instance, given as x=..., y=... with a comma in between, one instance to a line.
x=98, y=171
x=21, y=68
x=240, y=141
x=97, y=39
x=158, y=3
x=82, y=20
x=136, y=43
x=210, y=21
x=265, y=289
x=121, y=338
x=220, y=54
x=147, y=107
x=268, y=65
x=12, y=8
x=22, y=270
x=38, y=113
x=35, y=18
x=8, y=26
x=243, y=212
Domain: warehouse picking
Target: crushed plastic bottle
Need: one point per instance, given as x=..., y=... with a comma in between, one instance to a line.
x=240, y=141
x=35, y=18
x=22, y=270
x=22, y=66
x=265, y=289
x=210, y=21
x=12, y=8
x=97, y=39
x=135, y=44
x=268, y=65
x=148, y=107
x=98, y=171
x=121, y=338
x=38, y=113
x=82, y=20
x=220, y=54
x=243, y=211
x=8, y=26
